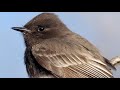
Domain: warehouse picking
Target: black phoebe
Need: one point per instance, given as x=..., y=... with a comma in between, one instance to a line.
x=52, y=50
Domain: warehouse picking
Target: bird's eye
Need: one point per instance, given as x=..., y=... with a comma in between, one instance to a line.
x=40, y=28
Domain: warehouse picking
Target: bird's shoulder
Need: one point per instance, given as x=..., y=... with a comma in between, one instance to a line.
x=78, y=39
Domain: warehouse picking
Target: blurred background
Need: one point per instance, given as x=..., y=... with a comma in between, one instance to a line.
x=101, y=28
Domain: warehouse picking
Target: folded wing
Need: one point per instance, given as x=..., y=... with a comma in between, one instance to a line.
x=67, y=60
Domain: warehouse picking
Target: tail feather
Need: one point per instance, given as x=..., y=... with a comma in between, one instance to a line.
x=109, y=63
x=115, y=61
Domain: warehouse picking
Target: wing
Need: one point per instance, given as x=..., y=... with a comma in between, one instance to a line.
x=69, y=60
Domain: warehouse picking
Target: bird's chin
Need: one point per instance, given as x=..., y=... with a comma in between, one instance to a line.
x=24, y=33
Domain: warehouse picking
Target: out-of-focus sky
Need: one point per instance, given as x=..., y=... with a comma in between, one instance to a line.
x=101, y=28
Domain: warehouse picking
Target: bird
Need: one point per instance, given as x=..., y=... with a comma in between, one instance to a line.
x=55, y=51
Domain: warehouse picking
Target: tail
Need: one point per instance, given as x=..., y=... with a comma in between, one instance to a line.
x=115, y=61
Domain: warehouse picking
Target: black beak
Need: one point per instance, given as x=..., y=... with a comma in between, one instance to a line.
x=20, y=29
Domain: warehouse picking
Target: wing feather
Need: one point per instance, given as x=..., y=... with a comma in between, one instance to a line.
x=71, y=61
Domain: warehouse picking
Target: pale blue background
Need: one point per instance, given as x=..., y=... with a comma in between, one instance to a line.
x=102, y=29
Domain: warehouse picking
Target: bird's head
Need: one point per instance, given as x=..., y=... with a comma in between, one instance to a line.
x=43, y=26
